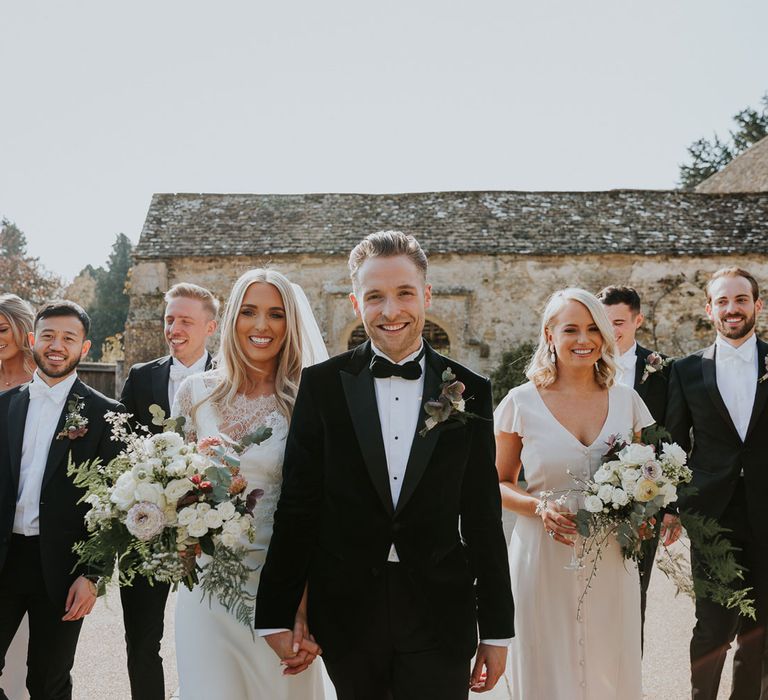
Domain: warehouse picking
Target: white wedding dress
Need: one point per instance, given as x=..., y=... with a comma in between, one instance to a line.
x=217, y=656
x=554, y=656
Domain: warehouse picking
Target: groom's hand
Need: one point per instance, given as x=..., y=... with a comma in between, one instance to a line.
x=295, y=659
x=489, y=665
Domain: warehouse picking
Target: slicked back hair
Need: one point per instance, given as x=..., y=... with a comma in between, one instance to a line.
x=386, y=244
x=188, y=290
x=734, y=272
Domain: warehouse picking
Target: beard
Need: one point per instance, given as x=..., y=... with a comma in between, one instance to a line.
x=735, y=333
x=54, y=373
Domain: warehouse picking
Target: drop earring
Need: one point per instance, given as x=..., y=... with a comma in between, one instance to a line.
x=552, y=356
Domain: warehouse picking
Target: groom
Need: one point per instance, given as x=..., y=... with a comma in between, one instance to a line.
x=41, y=516
x=397, y=535
x=717, y=411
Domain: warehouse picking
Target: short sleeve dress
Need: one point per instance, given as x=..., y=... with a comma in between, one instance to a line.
x=555, y=656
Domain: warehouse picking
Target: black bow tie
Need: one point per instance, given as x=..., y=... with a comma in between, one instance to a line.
x=382, y=368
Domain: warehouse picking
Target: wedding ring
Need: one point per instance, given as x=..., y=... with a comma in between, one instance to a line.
x=551, y=533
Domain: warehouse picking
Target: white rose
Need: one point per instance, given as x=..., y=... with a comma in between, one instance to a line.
x=123, y=493
x=226, y=510
x=232, y=527
x=245, y=523
x=197, y=528
x=593, y=504
x=187, y=515
x=199, y=462
x=166, y=444
x=619, y=497
x=142, y=472
x=637, y=454
x=605, y=493
x=177, y=468
x=674, y=453
x=212, y=519
x=150, y=492
x=629, y=478
x=669, y=492
x=203, y=508
x=228, y=539
x=602, y=475
x=176, y=489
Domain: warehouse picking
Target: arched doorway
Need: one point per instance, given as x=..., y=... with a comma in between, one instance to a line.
x=433, y=334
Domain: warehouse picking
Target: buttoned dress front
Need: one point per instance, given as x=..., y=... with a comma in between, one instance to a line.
x=554, y=655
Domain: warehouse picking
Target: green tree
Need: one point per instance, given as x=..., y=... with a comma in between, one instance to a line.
x=510, y=372
x=708, y=157
x=21, y=273
x=109, y=310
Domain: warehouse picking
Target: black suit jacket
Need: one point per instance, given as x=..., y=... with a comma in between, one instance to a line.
x=335, y=520
x=147, y=384
x=653, y=391
x=699, y=422
x=61, y=516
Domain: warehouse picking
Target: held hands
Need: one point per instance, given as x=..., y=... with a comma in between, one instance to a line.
x=296, y=653
x=559, y=524
x=671, y=529
x=489, y=665
x=80, y=599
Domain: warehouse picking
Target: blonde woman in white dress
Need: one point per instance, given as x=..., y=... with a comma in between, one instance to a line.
x=268, y=335
x=557, y=421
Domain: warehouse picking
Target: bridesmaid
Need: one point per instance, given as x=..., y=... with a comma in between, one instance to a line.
x=16, y=367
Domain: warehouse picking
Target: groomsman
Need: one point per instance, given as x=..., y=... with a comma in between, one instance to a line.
x=41, y=517
x=622, y=304
x=717, y=412
x=190, y=320
x=393, y=522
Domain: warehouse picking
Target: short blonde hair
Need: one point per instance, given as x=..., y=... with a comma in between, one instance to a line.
x=21, y=318
x=386, y=244
x=188, y=290
x=542, y=371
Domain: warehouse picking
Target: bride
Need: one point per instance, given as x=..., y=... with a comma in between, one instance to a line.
x=268, y=334
x=560, y=421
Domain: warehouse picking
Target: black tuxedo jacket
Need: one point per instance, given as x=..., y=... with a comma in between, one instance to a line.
x=653, y=391
x=147, y=384
x=61, y=516
x=335, y=520
x=700, y=423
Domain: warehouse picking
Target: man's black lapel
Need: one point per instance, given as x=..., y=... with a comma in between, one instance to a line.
x=59, y=446
x=761, y=392
x=641, y=387
x=422, y=447
x=208, y=361
x=161, y=373
x=710, y=382
x=17, y=418
x=360, y=393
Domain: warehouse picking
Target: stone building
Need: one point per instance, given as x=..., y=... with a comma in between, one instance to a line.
x=494, y=257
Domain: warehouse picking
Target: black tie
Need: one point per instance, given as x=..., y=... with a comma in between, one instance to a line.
x=382, y=368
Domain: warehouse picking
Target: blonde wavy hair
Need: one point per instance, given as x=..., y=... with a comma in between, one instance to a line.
x=21, y=318
x=231, y=361
x=542, y=371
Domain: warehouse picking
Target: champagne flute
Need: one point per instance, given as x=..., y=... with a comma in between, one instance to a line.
x=571, y=504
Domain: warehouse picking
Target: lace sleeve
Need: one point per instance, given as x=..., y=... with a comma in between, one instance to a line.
x=182, y=406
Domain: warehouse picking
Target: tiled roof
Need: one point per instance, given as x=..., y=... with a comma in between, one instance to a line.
x=745, y=173
x=641, y=222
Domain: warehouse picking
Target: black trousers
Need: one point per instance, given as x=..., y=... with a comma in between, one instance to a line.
x=143, y=613
x=717, y=627
x=398, y=655
x=52, y=643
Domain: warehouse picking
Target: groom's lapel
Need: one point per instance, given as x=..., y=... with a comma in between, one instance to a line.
x=422, y=447
x=360, y=393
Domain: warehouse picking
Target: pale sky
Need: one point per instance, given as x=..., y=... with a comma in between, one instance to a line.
x=105, y=103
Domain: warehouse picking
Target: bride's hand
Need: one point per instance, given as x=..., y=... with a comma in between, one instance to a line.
x=559, y=525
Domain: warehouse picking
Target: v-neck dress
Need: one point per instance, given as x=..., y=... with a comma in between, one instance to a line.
x=555, y=656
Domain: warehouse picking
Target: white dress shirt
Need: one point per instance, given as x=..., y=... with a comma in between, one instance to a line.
x=45, y=406
x=736, y=373
x=179, y=372
x=627, y=364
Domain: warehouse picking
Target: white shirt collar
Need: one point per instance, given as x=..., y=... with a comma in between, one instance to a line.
x=410, y=357
x=197, y=366
x=746, y=350
x=629, y=357
x=58, y=392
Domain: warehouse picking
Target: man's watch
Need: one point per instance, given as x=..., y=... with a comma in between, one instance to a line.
x=97, y=583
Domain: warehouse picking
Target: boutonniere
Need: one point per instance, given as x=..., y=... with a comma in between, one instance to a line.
x=764, y=378
x=450, y=404
x=653, y=363
x=75, y=423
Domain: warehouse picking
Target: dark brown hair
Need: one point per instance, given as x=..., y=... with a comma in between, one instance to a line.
x=617, y=294
x=734, y=272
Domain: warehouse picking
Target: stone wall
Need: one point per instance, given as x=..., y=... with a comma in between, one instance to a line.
x=485, y=303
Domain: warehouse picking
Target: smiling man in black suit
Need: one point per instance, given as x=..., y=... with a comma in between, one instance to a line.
x=189, y=321
x=42, y=424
